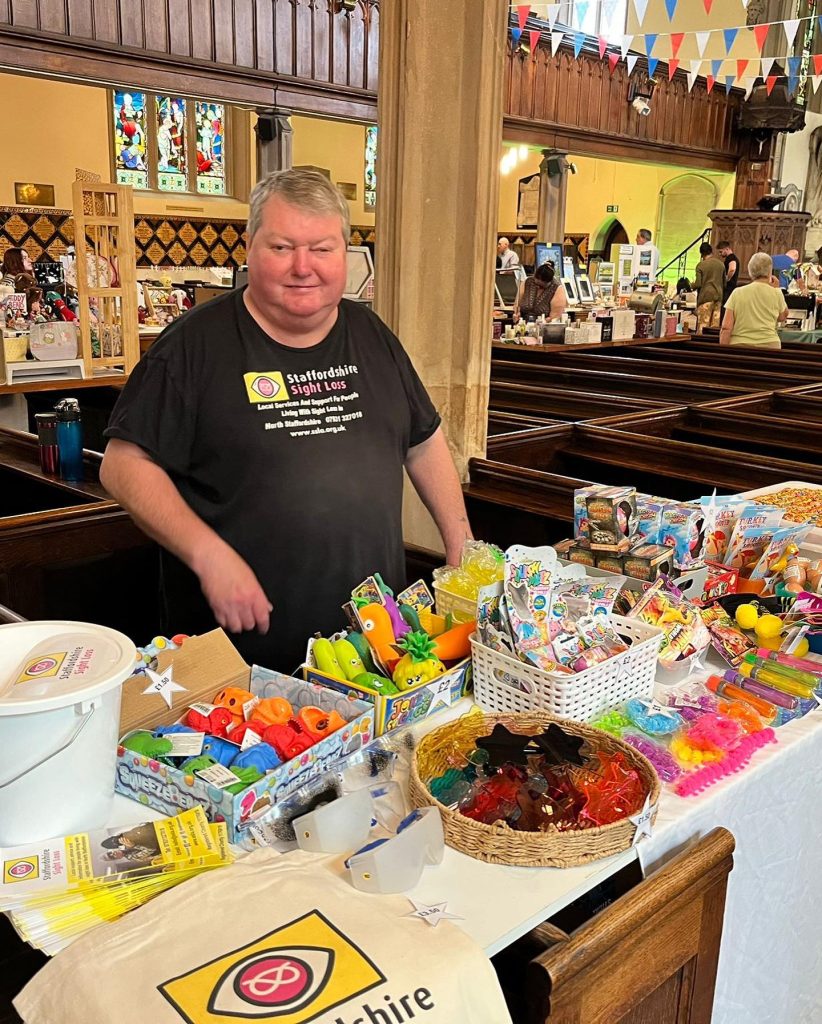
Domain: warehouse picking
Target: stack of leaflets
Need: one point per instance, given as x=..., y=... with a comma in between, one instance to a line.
x=55, y=891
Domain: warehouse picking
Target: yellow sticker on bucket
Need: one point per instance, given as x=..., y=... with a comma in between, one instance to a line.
x=43, y=666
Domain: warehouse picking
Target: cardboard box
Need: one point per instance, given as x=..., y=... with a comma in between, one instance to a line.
x=611, y=519
x=683, y=528
x=204, y=665
x=581, y=495
x=647, y=561
x=581, y=554
x=649, y=516
x=610, y=563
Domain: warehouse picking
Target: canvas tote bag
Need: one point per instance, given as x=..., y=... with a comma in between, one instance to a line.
x=270, y=938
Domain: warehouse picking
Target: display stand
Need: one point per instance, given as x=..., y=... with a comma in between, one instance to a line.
x=106, y=276
x=54, y=370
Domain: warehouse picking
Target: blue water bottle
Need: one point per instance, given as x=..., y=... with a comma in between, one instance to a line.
x=70, y=439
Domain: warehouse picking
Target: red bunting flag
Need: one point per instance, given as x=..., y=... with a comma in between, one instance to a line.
x=817, y=64
x=708, y=5
x=676, y=42
x=603, y=46
x=673, y=64
x=523, y=11
x=741, y=65
x=613, y=60
x=770, y=82
x=534, y=37
x=761, y=34
x=710, y=82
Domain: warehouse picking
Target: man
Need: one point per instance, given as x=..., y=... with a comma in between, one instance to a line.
x=785, y=267
x=507, y=258
x=647, y=257
x=731, y=261
x=710, y=283
x=263, y=438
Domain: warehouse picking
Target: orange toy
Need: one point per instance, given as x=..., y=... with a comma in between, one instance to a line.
x=319, y=724
x=454, y=644
x=272, y=711
x=233, y=698
x=379, y=632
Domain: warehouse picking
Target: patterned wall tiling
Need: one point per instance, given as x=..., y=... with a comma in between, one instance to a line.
x=160, y=241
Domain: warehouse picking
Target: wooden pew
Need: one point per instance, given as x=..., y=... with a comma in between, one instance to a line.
x=758, y=360
x=510, y=422
x=796, y=406
x=545, y=404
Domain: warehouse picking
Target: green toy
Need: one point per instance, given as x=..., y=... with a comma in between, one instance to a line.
x=149, y=746
x=199, y=763
x=348, y=658
x=411, y=617
x=418, y=664
x=247, y=776
x=373, y=681
x=363, y=649
x=326, y=659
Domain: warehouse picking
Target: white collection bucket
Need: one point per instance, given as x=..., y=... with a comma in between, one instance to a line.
x=60, y=685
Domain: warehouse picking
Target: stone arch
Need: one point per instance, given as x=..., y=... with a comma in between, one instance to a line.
x=610, y=232
x=684, y=203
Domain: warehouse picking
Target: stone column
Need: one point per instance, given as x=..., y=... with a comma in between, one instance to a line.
x=553, y=194
x=440, y=124
x=274, y=135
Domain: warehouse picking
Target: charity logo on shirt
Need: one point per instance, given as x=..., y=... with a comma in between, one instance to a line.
x=305, y=404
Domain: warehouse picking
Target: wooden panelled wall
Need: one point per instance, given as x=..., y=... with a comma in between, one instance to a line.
x=578, y=105
x=308, y=55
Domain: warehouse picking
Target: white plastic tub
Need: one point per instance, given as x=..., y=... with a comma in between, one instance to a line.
x=60, y=686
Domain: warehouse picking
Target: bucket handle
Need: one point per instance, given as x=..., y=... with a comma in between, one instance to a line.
x=82, y=724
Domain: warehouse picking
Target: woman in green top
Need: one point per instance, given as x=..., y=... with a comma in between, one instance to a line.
x=753, y=312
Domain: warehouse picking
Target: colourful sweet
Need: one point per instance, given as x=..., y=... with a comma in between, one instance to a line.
x=261, y=756
x=247, y=775
x=288, y=740
x=664, y=765
x=238, y=733
x=220, y=749
x=454, y=645
x=215, y=722
x=418, y=664
x=233, y=698
x=655, y=723
x=148, y=745
x=319, y=724
x=348, y=658
x=373, y=681
x=272, y=711
x=325, y=659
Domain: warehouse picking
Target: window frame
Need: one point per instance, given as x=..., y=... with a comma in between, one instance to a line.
x=191, y=144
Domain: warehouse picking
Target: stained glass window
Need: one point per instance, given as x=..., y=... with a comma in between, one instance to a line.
x=171, y=144
x=370, y=195
x=129, y=110
x=210, y=122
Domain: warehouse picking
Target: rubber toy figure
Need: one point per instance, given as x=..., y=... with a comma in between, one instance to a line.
x=377, y=630
x=199, y=763
x=221, y=750
x=237, y=734
x=272, y=711
x=288, y=740
x=261, y=756
x=247, y=775
x=216, y=722
x=418, y=664
x=164, y=730
x=233, y=698
x=373, y=681
x=149, y=746
x=319, y=724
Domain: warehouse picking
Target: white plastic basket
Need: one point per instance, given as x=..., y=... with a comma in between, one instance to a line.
x=502, y=683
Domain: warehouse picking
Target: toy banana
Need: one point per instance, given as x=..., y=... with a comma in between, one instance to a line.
x=326, y=659
x=418, y=664
x=362, y=648
x=373, y=681
x=348, y=658
x=454, y=644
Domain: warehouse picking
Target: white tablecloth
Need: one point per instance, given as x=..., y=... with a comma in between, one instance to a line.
x=769, y=966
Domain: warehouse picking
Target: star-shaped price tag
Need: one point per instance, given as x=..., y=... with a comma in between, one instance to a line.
x=441, y=690
x=163, y=685
x=434, y=914
x=653, y=707
x=642, y=820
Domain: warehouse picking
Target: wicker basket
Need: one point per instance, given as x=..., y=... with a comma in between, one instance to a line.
x=16, y=348
x=500, y=844
x=505, y=684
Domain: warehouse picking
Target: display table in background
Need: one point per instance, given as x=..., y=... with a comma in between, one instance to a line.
x=805, y=337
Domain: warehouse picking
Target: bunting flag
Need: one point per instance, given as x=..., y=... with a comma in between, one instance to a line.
x=770, y=82
x=523, y=12
x=794, y=64
x=650, y=42
x=741, y=67
x=613, y=60
x=581, y=11
x=691, y=80
x=640, y=6
x=761, y=34
x=631, y=62
x=730, y=38
x=750, y=87
x=603, y=46
x=729, y=82
x=815, y=80
x=626, y=45
x=556, y=41
x=715, y=66
x=767, y=64
x=702, y=41
x=817, y=64
x=696, y=66
x=670, y=7
x=553, y=14
x=676, y=42
x=820, y=22
x=579, y=42
x=793, y=85
x=710, y=83
x=745, y=3
x=516, y=34
x=673, y=64
x=708, y=5
x=791, y=28
x=533, y=39
x=652, y=63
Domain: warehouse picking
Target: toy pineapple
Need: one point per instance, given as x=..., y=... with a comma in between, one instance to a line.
x=418, y=664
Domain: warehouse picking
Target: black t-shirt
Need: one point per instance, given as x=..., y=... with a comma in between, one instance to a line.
x=731, y=282
x=294, y=456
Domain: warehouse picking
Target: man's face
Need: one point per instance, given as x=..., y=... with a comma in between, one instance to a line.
x=640, y=240
x=297, y=262
x=724, y=251
x=501, y=247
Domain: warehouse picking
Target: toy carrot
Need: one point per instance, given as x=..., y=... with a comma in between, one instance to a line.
x=454, y=644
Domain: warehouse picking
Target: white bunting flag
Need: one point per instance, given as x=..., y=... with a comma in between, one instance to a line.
x=696, y=67
x=749, y=84
x=815, y=80
x=745, y=5
x=767, y=64
x=626, y=45
x=553, y=14
x=791, y=28
x=702, y=41
x=691, y=80
x=556, y=40
x=631, y=62
x=641, y=6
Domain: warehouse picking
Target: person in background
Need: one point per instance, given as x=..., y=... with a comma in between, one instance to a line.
x=726, y=253
x=15, y=262
x=541, y=295
x=507, y=259
x=785, y=267
x=755, y=310
x=710, y=285
x=644, y=239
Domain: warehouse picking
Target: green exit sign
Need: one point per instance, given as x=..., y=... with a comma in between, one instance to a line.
x=612, y=209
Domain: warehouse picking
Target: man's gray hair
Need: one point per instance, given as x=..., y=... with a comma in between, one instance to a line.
x=307, y=190
x=645, y=233
x=760, y=265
